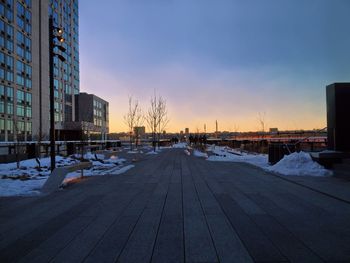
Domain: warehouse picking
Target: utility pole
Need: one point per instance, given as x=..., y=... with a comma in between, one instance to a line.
x=52, y=97
x=54, y=33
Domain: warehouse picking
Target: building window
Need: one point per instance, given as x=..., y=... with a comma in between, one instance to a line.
x=9, y=94
x=20, y=127
x=9, y=108
x=20, y=97
x=28, y=105
x=29, y=99
x=28, y=3
x=23, y=74
x=6, y=67
x=6, y=9
x=2, y=129
x=24, y=17
x=2, y=99
x=6, y=35
x=20, y=110
x=9, y=99
x=29, y=112
x=9, y=126
x=29, y=127
x=2, y=106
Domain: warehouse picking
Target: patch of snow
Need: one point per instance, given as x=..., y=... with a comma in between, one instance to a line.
x=10, y=187
x=260, y=160
x=122, y=170
x=30, y=168
x=180, y=145
x=187, y=152
x=200, y=154
x=115, y=160
x=97, y=172
x=299, y=164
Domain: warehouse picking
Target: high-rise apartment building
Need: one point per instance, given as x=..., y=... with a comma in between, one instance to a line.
x=24, y=67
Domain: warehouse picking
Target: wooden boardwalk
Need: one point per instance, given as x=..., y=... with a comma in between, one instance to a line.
x=177, y=208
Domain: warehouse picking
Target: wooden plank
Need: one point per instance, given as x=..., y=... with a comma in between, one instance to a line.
x=257, y=243
x=169, y=246
x=227, y=242
x=114, y=240
x=59, y=240
x=33, y=239
x=82, y=245
x=139, y=247
x=317, y=234
x=199, y=246
x=288, y=244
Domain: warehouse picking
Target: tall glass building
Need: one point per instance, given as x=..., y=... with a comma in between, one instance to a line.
x=24, y=67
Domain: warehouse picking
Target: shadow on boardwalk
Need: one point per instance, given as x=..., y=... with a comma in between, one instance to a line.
x=178, y=208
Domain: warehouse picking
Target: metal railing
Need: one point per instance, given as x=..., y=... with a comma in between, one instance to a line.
x=302, y=140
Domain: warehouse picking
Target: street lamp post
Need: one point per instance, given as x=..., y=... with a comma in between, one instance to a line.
x=54, y=33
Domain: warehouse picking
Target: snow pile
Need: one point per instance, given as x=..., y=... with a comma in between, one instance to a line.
x=299, y=164
x=223, y=151
x=89, y=156
x=226, y=154
x=200, y=154
x=187, y=152
x=294, y=164
x=30, y=168
x=260, y=160
x=180, y=145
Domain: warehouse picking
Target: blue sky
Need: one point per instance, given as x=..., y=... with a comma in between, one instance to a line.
x=225, y=60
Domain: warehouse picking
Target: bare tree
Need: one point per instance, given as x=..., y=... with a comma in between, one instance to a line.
x=157, y=118
x=162, y=116
x=133, y=117
x=262, y=121
x=152, y=119
x=139, y=120
x=17, y=138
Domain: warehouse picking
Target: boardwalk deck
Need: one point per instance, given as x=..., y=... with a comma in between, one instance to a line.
x=178, y=208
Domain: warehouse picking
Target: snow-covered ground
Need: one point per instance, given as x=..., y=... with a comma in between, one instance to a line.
x=29, y=178
x=200, y=154
x=180, y=145
x=300, y=164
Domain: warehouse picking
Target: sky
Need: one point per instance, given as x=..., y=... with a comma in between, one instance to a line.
x=224, y=60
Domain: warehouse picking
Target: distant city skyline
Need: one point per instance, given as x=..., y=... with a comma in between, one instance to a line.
x=222, y=60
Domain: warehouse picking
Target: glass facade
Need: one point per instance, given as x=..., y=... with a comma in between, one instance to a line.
x=15, y=70
x=66, y=74
x=16, y=65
